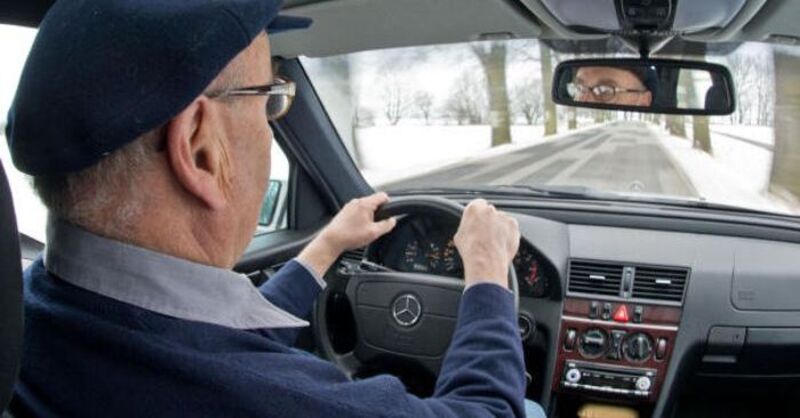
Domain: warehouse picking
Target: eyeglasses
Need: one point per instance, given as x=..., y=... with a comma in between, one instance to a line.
x=280, y=94
x=602, y=92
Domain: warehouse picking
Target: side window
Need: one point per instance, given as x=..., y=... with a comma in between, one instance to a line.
x=15, y=42
x=275, y=204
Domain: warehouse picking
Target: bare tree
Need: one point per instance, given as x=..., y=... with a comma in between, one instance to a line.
x=550, y=116
x=340, y=86
x=701, y=137
x=492, y=56
x=572, y=118
x=466, y=102
x=753, y=76
x=396, y=101
x=526, y=100
x=785, y=176
x=676, y=125
x=423, y=102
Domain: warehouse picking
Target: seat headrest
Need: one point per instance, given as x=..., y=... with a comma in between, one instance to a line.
x=11, y=326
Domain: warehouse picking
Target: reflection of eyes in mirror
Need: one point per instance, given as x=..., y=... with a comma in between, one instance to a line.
x=658, y=86
x=629, y=86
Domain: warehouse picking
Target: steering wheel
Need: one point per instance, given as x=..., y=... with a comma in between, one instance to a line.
x=408, y=316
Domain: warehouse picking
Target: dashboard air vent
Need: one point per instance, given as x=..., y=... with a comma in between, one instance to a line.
x=594, y=277
x=660, y=283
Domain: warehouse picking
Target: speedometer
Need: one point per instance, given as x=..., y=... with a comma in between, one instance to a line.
x=433, y=256
x=413, y=258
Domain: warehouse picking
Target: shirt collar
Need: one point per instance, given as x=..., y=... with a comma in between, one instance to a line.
x=158, y=282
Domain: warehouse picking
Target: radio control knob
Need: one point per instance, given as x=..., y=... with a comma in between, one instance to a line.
x=573, y=375
x=643, y=383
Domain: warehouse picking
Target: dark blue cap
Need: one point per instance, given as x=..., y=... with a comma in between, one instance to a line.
x=102, y=73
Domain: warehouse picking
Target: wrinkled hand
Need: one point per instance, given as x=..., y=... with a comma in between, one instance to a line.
x=487, y=240
x=353, y=227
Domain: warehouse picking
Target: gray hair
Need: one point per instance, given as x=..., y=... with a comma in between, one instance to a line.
x=107, y=188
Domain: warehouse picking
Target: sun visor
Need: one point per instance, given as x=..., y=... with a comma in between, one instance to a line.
x=595, y=14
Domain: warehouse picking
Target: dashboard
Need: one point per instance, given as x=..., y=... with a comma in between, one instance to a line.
x=638, y=309
x=424, y=244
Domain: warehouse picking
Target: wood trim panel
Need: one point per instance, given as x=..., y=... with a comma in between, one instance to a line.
x=657, y=322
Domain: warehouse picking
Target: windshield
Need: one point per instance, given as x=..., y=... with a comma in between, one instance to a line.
x=478, y=115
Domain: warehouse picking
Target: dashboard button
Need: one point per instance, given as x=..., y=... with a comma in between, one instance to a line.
x=621, y=314
x=606, y=311
x=638, y=313
x=569, y=339
x=594, y=309
x=661, y=348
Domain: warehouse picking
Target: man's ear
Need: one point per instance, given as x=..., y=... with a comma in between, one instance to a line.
x=197, y=153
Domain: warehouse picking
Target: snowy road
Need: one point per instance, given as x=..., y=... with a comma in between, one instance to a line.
x=624, y=157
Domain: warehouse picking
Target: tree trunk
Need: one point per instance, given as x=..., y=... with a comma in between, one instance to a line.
x=701, y=134
x=493, y=62
x=785, y=176
x=701, y=138
x=676, y=126
x=550, y=116
x=572, y=119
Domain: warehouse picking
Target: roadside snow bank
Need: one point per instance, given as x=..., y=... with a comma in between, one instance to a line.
x=737, y=174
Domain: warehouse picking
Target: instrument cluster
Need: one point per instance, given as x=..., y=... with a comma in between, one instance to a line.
x=424, y=244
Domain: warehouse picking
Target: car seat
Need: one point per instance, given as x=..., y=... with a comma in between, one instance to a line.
x=11, y=326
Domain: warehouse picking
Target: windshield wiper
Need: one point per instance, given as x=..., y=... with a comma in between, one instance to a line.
x=476, y=191
x=572, y=192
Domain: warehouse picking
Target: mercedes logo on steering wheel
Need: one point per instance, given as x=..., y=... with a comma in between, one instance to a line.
x=407, y=310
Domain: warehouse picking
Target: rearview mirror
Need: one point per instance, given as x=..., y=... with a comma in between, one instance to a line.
x=650, y=86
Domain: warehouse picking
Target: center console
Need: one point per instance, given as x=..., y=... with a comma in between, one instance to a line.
x=619, y=325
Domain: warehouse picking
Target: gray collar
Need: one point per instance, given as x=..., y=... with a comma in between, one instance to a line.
x=157, y=282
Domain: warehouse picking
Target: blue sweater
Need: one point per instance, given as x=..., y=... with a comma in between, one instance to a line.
x=87, y=355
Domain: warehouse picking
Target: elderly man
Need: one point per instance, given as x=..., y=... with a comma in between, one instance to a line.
x=610, y=85
x=143, y=125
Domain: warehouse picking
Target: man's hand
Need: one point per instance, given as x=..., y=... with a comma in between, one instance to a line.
x=487, y=241
x=353, y=227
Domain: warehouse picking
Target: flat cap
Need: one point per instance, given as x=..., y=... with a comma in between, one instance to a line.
x=102, y=73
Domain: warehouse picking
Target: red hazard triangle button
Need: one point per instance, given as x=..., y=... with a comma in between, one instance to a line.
x=621, y=314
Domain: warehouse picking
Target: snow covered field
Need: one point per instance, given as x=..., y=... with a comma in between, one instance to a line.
x=737, y=173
